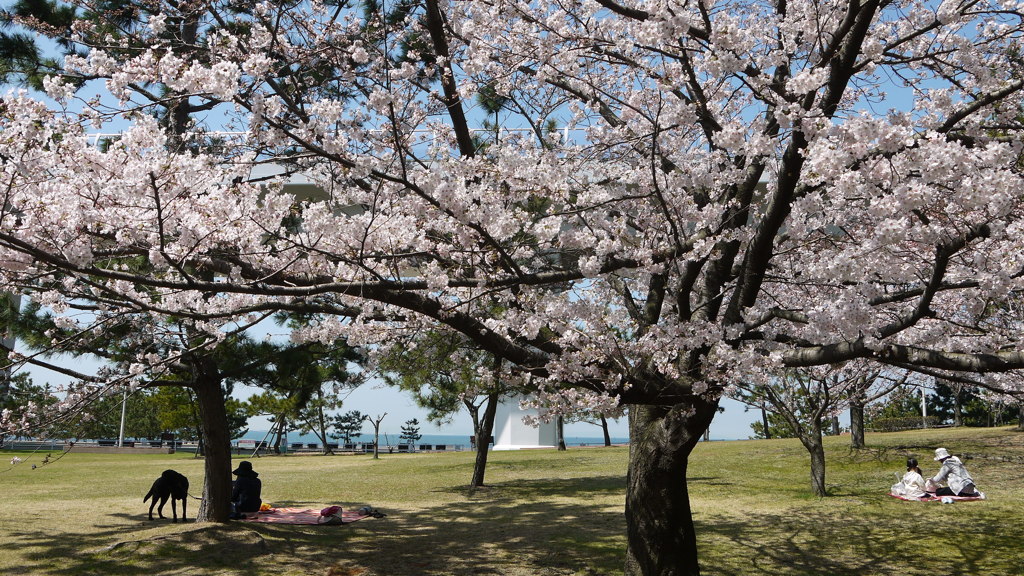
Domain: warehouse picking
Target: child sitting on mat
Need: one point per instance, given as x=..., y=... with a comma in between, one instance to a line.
x=912, y=485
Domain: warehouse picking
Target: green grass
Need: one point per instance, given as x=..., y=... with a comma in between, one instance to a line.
x=544, y=513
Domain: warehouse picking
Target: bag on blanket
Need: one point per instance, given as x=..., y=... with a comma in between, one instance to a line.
x=330, y=515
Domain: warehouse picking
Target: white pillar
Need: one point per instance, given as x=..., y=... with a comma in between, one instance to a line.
x=924, y=409
x=124, y=405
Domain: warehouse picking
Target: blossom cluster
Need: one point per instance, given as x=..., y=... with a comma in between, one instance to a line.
x=731, y=191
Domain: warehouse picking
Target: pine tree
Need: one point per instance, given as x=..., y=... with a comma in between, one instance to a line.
x=411, y=432
x=443, y=371
x=349, y=425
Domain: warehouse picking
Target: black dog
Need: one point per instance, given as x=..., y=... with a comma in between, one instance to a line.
x=171, y=485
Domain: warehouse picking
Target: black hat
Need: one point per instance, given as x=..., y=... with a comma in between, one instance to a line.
x=244, y=467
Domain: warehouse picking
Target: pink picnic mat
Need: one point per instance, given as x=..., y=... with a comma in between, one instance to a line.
x=938, y=498
x=301, y=516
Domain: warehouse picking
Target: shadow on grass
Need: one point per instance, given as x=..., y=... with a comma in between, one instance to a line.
x=586, y=488
x=551, y=527
x=893, y=541
x=527, y=528
x=137, y=546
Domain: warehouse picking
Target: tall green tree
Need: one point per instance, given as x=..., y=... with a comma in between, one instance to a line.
x=411, y=432
x=24, y=59
x=177, y=412
x=276, y=409
x=446, y=374
x=203, y=375
x=348, y=425
x=141, y=420
x=24, y=401
x=960, y=404
x=303, y=385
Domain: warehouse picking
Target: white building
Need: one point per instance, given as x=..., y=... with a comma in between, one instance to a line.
x=511, y=433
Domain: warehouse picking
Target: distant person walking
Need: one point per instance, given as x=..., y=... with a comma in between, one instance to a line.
x=245, y=493
x=956, y=477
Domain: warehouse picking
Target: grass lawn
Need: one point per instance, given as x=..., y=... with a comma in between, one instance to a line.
x=544, y=513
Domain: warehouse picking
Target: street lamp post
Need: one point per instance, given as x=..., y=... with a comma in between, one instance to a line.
x=124, y=405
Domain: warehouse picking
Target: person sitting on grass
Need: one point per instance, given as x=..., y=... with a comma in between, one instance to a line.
x=912, y=485
x=958, y=480
x=245, y=494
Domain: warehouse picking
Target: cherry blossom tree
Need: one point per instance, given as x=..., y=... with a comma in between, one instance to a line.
x=737, y=187
x=805, y=399
x=869, y=387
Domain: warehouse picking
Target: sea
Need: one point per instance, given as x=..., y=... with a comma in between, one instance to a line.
x=451, y=441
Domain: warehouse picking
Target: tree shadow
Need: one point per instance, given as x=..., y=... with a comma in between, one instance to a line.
x=547, y=487
x=529, y=527
x=813, y=542
x=139, y=547
x=537, y=527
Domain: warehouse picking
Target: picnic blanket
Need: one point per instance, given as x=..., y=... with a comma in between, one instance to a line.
x=938, y=498
x=302, y=516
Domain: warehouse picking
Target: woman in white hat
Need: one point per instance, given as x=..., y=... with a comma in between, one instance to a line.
x=958, y=480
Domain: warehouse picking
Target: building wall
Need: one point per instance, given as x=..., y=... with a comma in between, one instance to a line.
x=511, y=433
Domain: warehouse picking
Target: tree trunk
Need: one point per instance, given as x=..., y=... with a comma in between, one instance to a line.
x=179, y=110
x=767, y=427
x=322, y=426
x=958, y=409
x=201, y=442
x=835, y=426
x=812, y=441
x=560, y=431
x=659, y=523
x=604, y=428
x=474, y=413
x=216, y=504
x=197, y=416
x=13, y=303
x=1020, y=416
x=857, y=425
x=483, y=440
x=279, y=435
x=5, y=382
x=376, y=439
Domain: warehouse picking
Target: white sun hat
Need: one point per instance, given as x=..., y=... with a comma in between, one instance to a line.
x=941, y=454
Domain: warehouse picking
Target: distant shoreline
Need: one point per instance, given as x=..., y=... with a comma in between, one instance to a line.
x=428, y=439
x=435, y=439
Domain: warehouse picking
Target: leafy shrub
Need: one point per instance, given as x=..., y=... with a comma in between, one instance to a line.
x=896, y=424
